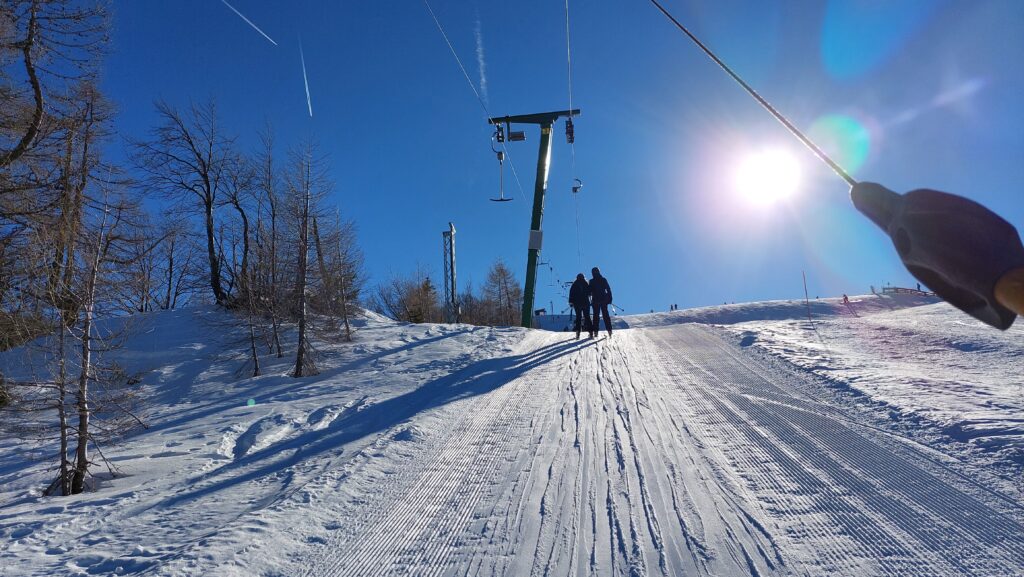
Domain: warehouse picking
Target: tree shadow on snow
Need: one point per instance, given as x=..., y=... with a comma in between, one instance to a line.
x=270, y=393
x=478, y=378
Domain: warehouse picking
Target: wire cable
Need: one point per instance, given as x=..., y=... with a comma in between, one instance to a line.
x=483, y=105
x=764, y=103
x=579, y=245
x=572, y=145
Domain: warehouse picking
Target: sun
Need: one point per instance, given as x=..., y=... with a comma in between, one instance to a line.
x=767, y=177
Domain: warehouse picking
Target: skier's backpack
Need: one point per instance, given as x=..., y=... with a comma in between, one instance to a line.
x=588, y=326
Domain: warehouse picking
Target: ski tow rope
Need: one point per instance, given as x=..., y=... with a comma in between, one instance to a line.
x=487, y=113
x=764, y=103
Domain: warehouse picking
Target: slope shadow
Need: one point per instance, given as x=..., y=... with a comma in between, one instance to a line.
x=475, y=379
x=192, y=413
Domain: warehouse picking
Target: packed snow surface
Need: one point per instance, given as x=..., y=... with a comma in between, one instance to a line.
x=883, y=437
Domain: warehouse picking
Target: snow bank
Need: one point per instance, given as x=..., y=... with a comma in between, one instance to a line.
x=929, y=367
x=729, y=314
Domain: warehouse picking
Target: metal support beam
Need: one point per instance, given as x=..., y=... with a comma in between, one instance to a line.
x=541, y=118
x=537, y=217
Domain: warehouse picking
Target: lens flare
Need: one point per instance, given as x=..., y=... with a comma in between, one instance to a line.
x=844, y=138
x=767, y=177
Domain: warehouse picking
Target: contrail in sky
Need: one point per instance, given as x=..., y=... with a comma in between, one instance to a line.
x=255, y=27
x=480, y=58
x=309, y=103
x=957, y=95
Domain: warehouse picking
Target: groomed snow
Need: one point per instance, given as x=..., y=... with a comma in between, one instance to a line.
x=931, y=370
x=884, y=438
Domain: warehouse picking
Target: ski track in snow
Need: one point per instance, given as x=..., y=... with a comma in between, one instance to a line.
x=667, y=450
x=660, y=452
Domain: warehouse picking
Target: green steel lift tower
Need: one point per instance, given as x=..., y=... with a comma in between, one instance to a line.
x=546, y=120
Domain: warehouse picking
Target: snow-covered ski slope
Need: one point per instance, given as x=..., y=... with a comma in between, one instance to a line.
x=882, y=440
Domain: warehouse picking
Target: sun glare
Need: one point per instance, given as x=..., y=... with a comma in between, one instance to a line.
x=767, y=177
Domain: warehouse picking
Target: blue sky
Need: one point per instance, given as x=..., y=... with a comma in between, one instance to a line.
x=911, y=94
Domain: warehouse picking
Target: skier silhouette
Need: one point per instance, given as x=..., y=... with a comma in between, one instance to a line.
x=579, y=299
x=600, y=298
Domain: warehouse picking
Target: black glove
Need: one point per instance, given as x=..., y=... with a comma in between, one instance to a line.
x=955, y=246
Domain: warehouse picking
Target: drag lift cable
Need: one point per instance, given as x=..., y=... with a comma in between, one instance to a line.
x=968, y=255
x=483, y=105
x=570, y=137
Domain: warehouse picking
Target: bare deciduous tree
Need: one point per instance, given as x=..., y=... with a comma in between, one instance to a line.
x=267, y=288
x=176, y=258
x=188, y=159
x=240, y=179
x=307, y=184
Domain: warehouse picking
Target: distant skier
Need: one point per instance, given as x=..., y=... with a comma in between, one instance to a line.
x=600, y=297
x=579, y=300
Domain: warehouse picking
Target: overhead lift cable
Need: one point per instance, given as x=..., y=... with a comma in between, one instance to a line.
x=570, y=135
x=483, y=105
x=967, y=254
x=767, y=106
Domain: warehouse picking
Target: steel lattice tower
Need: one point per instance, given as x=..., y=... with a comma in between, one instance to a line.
x=451, y=292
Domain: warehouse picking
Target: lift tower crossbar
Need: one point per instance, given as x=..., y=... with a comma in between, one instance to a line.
x=546, y=120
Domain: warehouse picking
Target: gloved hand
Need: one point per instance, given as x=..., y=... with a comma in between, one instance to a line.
x=955, y=246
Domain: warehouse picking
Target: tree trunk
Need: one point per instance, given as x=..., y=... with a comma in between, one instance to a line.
x=81, y=453
x=252, y=343
x=274, y=322
x=300, y=285
x=211, y=249
x=272, y=201
x=244, y=274
x=344, y=299
x=170, y=273
x=324, y=277
x=62, y=383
